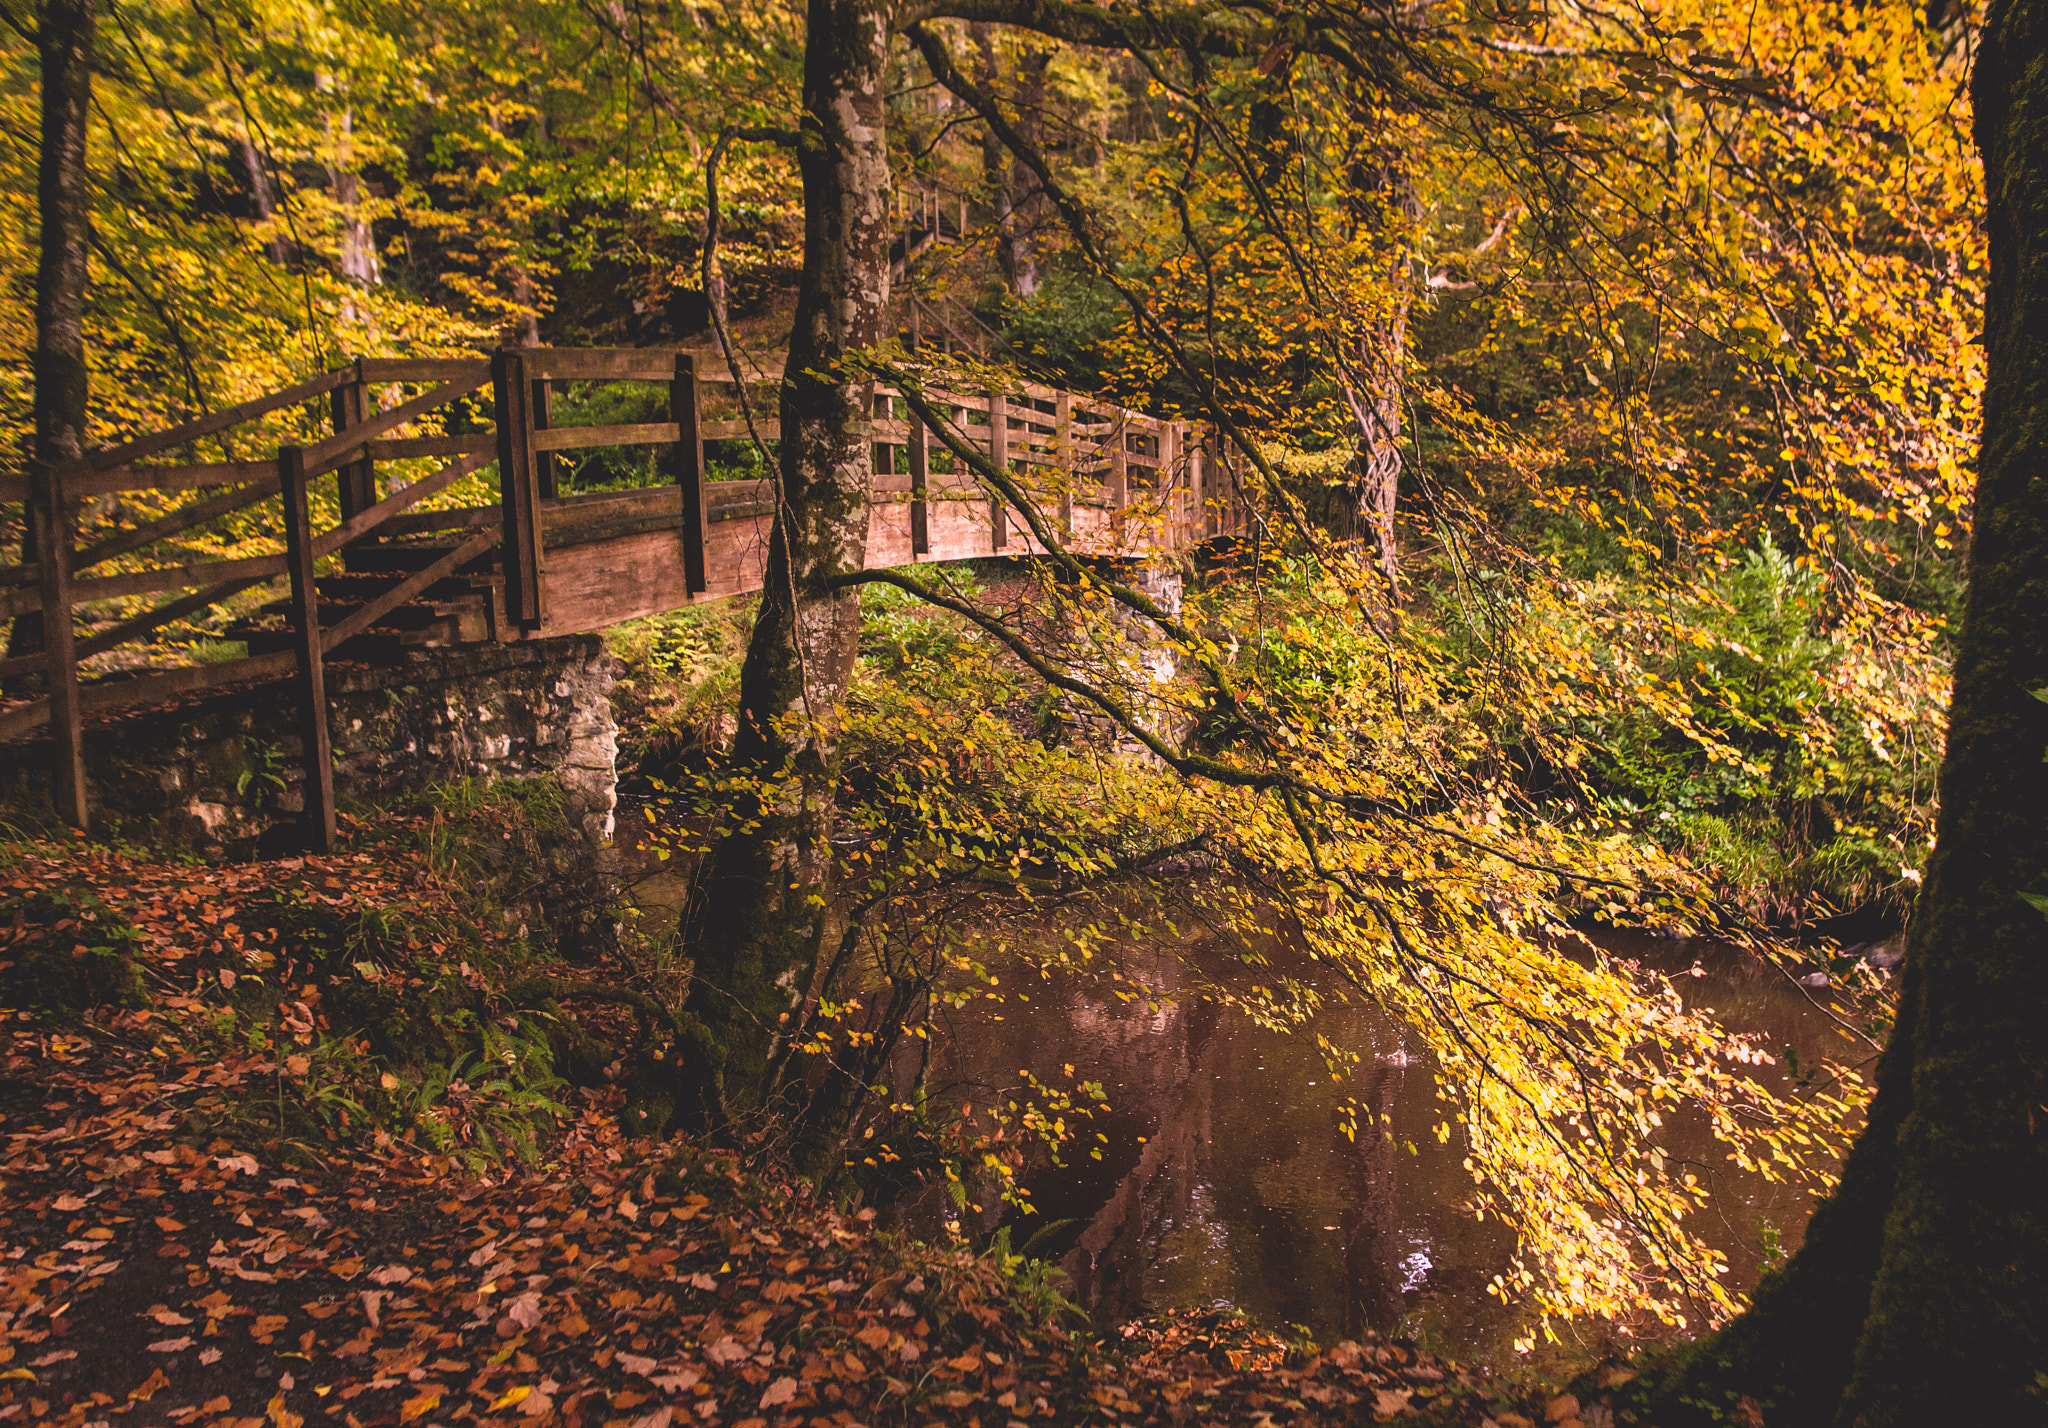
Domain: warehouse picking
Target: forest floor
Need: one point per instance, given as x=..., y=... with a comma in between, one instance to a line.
x=182, y=1242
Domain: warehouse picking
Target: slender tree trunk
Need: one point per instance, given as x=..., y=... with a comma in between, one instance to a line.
x=767, y=889
x=1384, y=212
x=1918, y=1297
x=360, y=268
x=65, y=40
x=1011, y=186
x=263, y=197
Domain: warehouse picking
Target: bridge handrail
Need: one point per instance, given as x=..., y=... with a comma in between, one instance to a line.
x=1079, y=439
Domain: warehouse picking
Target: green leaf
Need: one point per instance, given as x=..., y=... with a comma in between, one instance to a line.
x=2037, y=901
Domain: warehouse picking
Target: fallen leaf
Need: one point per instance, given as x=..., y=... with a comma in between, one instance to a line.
x=281, y=1416
x=55, y=1356
x=511, y=1398
x=1387, y=1402
x=415, y=1407
x=779, y=1392
x=150, y=1385
x=171, y=1346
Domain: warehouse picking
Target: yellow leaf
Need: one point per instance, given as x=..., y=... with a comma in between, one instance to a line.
x=414, y=1407
x=511, y=1398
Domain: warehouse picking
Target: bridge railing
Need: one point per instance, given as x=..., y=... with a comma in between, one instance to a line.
x=1148, y=476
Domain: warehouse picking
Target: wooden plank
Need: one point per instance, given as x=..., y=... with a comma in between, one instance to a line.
x=308, y=652
x=646, y=364
x=367, y=615
x=52, y=516
x=546, y=465
x=1119, y=471
x=182, y=519
x=398, y=448
x=168, y=478
x=363, y=522
x=687, y=456
x=1171, y=505
x=463, y=518
x=356, y=478
x=1063, y=458
x=150, y=582
x=758, y=371
x=769, y=428
x=563, y=438
x=134, y=629
x=417, y=369
x=145, y=446
x=519, y=493
x=119, y=693
x=326, y=455
x=999, y=457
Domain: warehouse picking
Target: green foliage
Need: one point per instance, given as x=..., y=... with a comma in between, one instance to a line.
x=611, y=468
x=1060, y=331
x=1773, y=771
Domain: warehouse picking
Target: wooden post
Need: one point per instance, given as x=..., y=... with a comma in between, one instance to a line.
x=688, y=462
x=999, y=457
x=884, y=452
x=1198, y=486
x=312, y=680
x=1171, y=509
x=518, y=490
x=348, y=407
x=920, y=477
x=52, y=517
x=546, y=474
x=1120, y=466
x=1063, y=456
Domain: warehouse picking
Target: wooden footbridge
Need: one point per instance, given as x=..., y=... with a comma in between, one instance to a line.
x=373, y=564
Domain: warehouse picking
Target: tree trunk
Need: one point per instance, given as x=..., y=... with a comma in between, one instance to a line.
x=65, y=40
x=767, y=890
x=1011, y=186
x=1383, y=211
x=1918, y=1296
x=263, y=198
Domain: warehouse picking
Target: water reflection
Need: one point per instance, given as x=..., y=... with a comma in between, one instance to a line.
x=1227, y=1177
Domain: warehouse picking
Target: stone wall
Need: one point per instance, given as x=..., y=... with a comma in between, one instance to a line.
x=221, y=773
x=1126, y=653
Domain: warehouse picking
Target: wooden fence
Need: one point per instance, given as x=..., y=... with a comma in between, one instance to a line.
x=1114, y=482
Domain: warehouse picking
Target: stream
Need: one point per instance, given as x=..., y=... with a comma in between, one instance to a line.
x=1226, y=1181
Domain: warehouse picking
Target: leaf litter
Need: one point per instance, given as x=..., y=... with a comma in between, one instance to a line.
x=156, y=1271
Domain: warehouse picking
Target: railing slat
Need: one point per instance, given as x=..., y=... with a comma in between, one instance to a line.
x=326, y=455
x=564, y=438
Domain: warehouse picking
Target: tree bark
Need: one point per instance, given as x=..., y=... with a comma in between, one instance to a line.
x=1918, y=1295
x=64, y=41
x=1383, y=210
x=1011, y=186
x=767, y=889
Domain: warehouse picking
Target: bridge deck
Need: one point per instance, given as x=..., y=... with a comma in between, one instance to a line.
x=1115, y=483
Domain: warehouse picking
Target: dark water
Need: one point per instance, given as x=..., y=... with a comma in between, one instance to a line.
x=1226, y=1180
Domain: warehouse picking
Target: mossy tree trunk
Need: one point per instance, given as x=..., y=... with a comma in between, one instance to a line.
x=767, y=893
x=1921, y=1294
x=64, y=42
